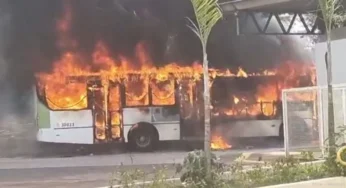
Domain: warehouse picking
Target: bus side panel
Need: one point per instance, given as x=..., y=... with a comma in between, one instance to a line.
x=75, y=127
x=67, y=136
x=167, y=124
x=43, y=116
x=168, y=131
x=250, y=128
x=132, y=116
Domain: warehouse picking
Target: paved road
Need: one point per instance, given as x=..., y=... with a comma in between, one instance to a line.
x=88, y=171
x=69, y=177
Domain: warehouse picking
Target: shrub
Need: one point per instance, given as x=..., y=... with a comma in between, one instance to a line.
x=284, y=170
x=138, y=178
x=194, y=171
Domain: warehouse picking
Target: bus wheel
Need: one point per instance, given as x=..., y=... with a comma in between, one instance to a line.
x=143, y=138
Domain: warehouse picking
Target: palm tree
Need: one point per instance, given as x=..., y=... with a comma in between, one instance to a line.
x=207, y=13
x=333, y=16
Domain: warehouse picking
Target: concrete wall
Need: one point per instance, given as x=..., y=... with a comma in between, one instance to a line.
x=338, y=76
x=338, y=58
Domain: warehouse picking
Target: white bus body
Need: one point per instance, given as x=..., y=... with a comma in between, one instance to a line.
x=164, y=122
x=76, y=127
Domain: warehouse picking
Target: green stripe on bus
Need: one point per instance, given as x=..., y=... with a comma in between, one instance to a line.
x=43, y=116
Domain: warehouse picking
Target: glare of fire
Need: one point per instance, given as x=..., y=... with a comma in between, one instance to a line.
x=218, y=143
x=242, y=73
x=139, y=72
x=236, y=100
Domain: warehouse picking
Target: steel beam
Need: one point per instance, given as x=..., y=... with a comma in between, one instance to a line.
x=273, y=23
x=236, y=5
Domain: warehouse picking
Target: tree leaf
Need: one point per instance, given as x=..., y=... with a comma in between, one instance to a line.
x=207, y=13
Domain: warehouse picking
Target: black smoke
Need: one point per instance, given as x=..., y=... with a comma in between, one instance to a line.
x=29, y=45
x=121, y=24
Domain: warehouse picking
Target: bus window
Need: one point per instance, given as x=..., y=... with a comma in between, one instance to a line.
x=136, y=90
x=114, y=98
x=114, y=111
x=71, y=96
x=162, y=92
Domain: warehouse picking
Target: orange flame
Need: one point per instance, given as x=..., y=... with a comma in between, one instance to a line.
x=137, y=73
x=218, y=143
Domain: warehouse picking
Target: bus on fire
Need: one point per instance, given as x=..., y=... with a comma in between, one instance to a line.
x=142, y=110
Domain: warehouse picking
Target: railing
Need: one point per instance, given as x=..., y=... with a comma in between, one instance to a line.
x=305, y=117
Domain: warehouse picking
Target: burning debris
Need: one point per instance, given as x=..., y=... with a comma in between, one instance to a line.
x=219, y=143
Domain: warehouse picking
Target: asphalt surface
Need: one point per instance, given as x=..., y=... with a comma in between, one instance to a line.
x=71, y=177
x=24, y=164
x=88, y=171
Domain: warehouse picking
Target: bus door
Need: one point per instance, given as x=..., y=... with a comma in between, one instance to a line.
x=96, y=98
x=115, y=124
x=188, y=104
x=165, y=111
x=105, y=101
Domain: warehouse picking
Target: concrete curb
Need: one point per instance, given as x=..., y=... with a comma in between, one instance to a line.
x=267, y=167
x=243, y=157
x=309, y=182
x=141, y=183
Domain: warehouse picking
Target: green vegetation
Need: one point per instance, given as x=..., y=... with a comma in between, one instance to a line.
x=193, y=174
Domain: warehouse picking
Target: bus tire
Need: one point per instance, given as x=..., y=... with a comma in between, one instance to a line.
x=144, y=137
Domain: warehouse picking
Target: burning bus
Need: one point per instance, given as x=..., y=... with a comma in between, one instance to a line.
x=106, y=99
x=144, y=106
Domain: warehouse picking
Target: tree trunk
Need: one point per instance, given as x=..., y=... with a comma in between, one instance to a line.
x=331, y=126
x=207, y=149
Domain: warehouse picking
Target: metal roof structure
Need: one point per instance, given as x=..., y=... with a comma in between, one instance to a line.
x=229, y=6
x=263, y=13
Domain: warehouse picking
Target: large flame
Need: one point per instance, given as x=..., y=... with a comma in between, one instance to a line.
x=63, y=92
x=219, y=143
